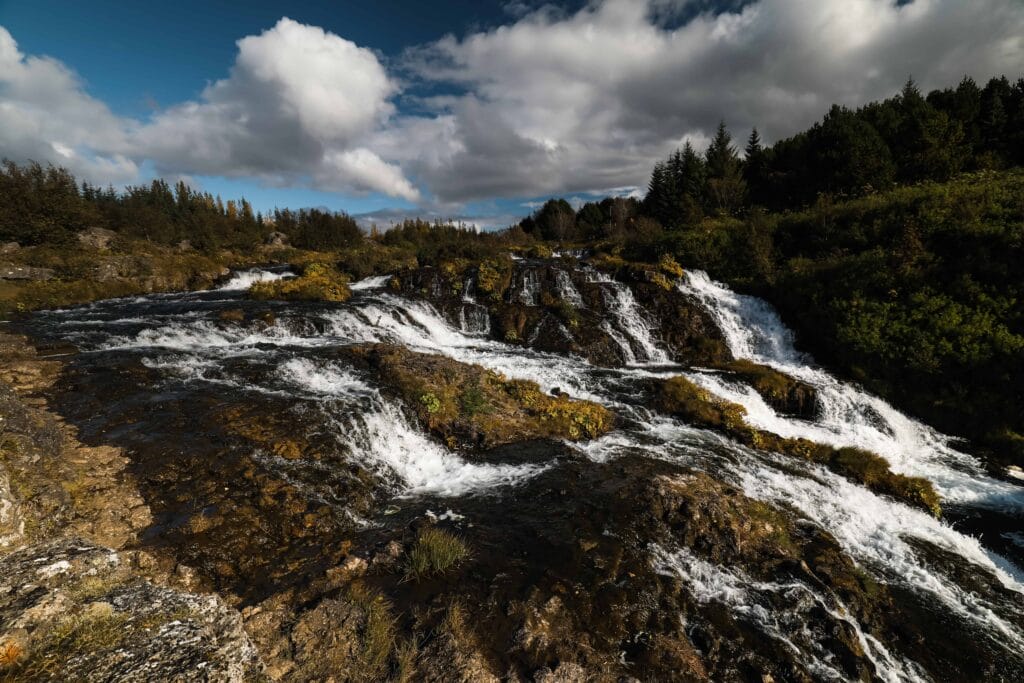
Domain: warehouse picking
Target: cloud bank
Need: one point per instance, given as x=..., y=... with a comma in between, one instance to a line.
x=549, y=103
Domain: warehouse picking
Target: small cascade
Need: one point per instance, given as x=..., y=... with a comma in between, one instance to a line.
x=528, y=291
x=474, y=320
x=436, y=286
x=782, y=611
x=630, y=321
x=380, y=436
x=469, y=291
x=566, y=289
x=370, y=283
x=244, y=279
x=620, y=339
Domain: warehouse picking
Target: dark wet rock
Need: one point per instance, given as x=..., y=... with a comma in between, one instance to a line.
x=557, y=306
x=565, y=584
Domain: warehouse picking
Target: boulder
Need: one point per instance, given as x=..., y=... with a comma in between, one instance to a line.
x=9, y=271
x=276, y=239
x=97, y=238
x=9, y=247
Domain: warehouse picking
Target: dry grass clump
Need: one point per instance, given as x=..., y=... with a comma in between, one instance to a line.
x=91, y=632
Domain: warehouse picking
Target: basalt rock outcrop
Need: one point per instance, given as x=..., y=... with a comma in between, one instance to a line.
x=566, y=306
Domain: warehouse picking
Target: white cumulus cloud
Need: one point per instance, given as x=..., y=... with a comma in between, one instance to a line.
x=553, y=102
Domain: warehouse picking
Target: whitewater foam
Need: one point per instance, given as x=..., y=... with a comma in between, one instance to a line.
x=243, y=280
x=382, y=437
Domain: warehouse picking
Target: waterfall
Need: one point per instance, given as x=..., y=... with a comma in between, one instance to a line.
x=380, y=436
x=529, y=288
x=954, y=572
x=631, y=321
x=244, y=279
x=566, y=290
x=848, y=416
x=474, y=320
x=376, y=282
x=468, y=287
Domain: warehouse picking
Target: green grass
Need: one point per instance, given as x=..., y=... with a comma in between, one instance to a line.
x=435, y=553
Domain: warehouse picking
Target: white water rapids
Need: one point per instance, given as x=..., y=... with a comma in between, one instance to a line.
x=883, y=536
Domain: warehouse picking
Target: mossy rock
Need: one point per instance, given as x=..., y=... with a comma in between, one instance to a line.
x=680, y=397
x=784, y=393
x=318, y=282
x=469, y=406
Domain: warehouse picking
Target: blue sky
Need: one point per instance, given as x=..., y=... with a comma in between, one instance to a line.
x=465, y=109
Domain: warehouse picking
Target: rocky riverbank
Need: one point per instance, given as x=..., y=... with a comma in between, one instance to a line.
x=78, y=600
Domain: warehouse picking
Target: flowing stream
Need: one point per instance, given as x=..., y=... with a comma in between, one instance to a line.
x=182, y=337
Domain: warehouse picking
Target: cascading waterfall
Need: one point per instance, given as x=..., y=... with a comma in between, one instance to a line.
x=887, y=539
x=474, y=319
x=468, y=291
x=528, y=292
x=566, y=289
x=779, y=609
x=380, y=436
x=375, y=282
x=848, y=416
x=631, y=322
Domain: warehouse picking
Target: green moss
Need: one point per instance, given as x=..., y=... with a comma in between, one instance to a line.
x=434, y=553
x=430, y=403
x=474, y=400
x=470, y=405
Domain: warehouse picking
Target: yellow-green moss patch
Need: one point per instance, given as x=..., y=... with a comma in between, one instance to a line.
x=318, y=282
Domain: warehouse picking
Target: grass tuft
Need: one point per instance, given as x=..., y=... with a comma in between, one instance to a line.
x=436, y=552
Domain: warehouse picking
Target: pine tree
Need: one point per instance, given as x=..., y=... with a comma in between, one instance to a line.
x=726, y=188
x=754, y=167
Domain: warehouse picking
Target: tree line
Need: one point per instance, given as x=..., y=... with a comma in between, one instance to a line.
x=46, y=205
x=850, y=153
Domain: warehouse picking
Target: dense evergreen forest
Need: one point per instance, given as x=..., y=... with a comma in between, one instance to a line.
x=890, y=236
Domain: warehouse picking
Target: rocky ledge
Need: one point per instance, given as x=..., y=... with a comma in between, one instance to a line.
x=77, y=600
